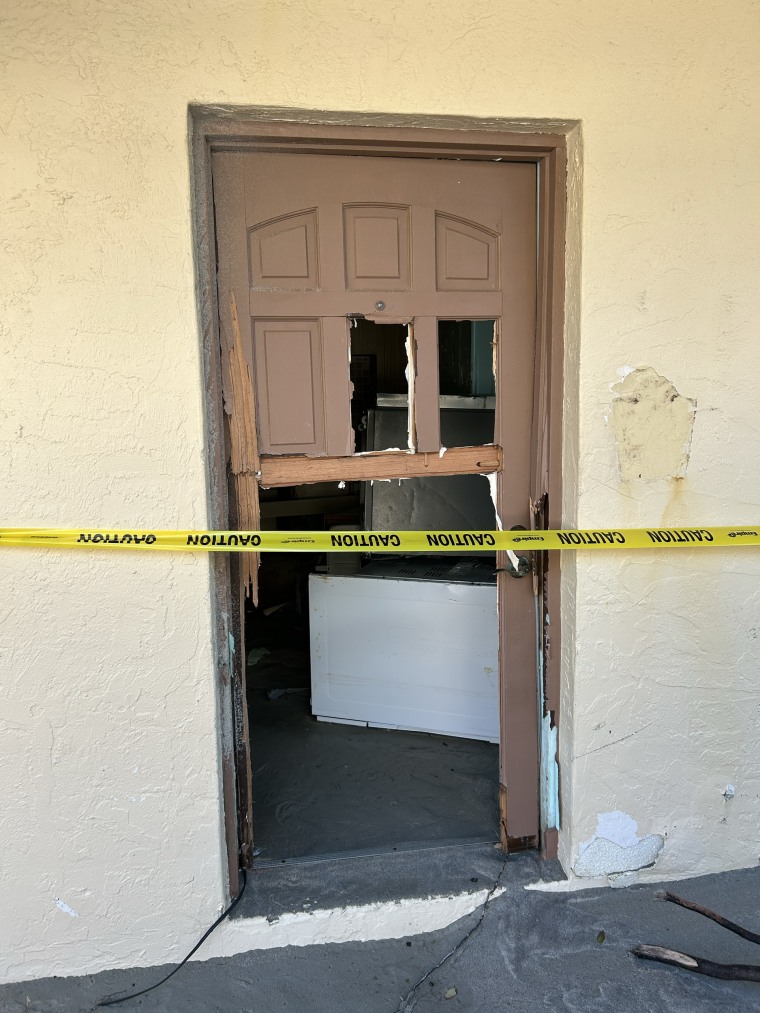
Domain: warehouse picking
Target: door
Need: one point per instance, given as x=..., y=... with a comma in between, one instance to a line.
x=306, y=242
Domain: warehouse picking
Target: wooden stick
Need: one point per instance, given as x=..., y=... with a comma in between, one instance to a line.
x=753, y=937
x=728, y=972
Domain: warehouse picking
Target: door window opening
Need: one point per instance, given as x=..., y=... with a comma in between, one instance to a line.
x=379, y=370
x=466, y=382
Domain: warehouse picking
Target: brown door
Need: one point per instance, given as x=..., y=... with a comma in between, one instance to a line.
x=305, y=242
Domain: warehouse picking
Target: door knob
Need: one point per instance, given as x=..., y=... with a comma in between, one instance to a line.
x=517, y=566
x=521, y=569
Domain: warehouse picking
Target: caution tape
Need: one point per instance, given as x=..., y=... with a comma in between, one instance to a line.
x=382, y=541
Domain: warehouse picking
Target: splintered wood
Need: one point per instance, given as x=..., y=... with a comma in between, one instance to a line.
x=244, y=454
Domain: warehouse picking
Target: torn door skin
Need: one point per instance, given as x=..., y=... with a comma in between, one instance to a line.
x=244, y=454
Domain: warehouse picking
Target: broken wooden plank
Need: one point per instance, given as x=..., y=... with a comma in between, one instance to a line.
x=279, y=471
x=244, y=454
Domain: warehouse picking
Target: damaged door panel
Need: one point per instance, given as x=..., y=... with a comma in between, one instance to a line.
x=311, y=243
x=308, y=250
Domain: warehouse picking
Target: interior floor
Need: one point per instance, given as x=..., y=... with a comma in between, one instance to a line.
x=322, y=788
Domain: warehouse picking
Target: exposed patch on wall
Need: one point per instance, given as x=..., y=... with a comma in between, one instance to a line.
x=653, y=424
x=616, y=847
x=63, y=906
x=549, y=785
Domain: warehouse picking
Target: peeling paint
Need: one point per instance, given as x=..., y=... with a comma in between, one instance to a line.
x=616, y=847
x=63, y=906
x=653, y=427
x=411, y=380
x=549, y=774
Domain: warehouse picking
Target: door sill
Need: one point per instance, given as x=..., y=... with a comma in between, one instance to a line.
x=376, y=852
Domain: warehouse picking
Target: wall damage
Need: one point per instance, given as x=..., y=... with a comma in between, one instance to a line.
x=616, y=848
x=653, y=424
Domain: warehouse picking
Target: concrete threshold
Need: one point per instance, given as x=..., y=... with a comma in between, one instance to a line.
x=402, y=872
x=363, y=896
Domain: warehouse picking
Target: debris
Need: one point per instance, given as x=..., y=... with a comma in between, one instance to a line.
x=729, y=972
x=450, y=993
x=601, y=936
x=255, y=655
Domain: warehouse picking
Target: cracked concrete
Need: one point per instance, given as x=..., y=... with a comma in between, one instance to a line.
x=533, y=951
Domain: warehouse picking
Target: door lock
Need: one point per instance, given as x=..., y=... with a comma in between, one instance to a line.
x=517, y=566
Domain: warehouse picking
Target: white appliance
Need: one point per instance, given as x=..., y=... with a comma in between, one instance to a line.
x=409, y=644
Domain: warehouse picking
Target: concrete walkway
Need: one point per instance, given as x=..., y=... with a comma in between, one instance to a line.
x=532, y=951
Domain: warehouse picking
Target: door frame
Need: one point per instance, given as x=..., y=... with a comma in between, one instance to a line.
x=287, y=130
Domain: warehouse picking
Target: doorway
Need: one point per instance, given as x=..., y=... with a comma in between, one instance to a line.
x=371, y=688
x=331, y=444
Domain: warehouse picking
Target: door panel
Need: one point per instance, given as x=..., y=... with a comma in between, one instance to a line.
x=283, y=253
x=427, y=415
x=376, y=242
x=466, y=256
x=288, y=357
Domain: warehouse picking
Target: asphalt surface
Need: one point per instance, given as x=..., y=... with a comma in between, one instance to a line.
x=529, y=951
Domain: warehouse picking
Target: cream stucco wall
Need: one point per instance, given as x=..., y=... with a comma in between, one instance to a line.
x=110, y=749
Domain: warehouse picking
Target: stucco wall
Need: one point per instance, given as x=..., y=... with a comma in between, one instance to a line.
x=110, y=753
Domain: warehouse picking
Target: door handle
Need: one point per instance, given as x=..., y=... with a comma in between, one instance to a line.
x=517, y=566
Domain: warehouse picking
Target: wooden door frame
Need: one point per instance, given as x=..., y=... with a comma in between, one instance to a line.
x=220, y=128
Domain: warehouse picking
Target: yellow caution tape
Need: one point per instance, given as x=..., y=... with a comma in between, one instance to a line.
x=381, y=541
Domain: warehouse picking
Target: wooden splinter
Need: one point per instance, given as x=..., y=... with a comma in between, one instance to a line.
x=244, y=456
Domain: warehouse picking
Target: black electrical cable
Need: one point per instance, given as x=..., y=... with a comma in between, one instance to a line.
x=204, y=937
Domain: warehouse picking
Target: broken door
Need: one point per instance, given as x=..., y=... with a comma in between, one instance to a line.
x=306, y=244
